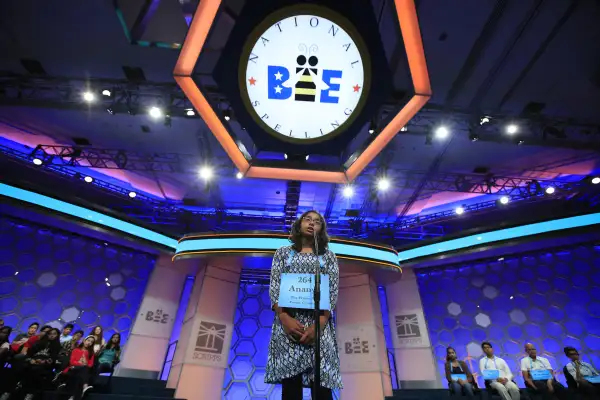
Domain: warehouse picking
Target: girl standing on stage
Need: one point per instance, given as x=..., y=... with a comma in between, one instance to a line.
x=291, y=351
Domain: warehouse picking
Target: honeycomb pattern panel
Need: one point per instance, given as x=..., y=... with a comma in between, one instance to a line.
x=55, y=277
x=548, y=298
x=245, y=376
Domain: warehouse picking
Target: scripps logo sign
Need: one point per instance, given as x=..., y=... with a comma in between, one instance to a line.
x=210, y=341
x=304, y=76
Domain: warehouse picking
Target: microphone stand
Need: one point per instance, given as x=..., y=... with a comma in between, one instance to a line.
x=317, y=311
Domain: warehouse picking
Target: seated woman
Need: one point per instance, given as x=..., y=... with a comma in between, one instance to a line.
x=109, y=355
x=78, y=371
x=98, y=334
x=460, y=379
x=39, y=363
x=68, y=346
x=5, y=332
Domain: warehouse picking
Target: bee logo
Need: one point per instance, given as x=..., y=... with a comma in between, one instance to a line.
x=305, y=88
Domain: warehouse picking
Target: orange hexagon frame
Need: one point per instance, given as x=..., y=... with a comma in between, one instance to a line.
x=192, y=46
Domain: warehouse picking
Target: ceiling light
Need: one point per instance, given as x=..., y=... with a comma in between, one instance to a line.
x=550, y=190
x=459, y=210
x=206, y=173
x=132, y=194
x=348, y=191
x=190, y=113
x=155, y=112
x=383, y=184
x=484, y=120
x=404, y=128
x=285, y=156
x=227, y=115
x=239, y=175
x=89, y=97
x=88, y=179
x=504, y=199
x=307, y=157
x=596, y=180
x=372, y=127
x=442, y=132
x=511, y=129
x=106, y=93
x=37, y=161
x=110, y=110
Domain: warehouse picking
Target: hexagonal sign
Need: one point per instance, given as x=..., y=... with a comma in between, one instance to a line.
x=117, y=293
x=474, y=350
x=490, y=292
x=202, y=23
x=483, y=320
x=454, y=309
x=115, y=279
x=46, y=279
x=518, y=316
x=70, y=314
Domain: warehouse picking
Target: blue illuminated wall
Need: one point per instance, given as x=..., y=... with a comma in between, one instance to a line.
x=244, y=379
x=549, y=298
x=55, y=277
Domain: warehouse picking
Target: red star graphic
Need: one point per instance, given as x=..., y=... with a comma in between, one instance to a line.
x=356, y=87
x=252, y=81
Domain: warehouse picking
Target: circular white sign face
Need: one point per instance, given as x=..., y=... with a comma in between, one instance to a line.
x=304, y=77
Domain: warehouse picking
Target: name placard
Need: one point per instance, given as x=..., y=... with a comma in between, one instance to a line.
x=490, y=374
x=540, y=374
x=296, y=291
x=592, y=379
x=456, y=377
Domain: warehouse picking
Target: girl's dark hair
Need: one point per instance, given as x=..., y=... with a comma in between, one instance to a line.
x=91, y=348
x=448, y=350
x=110, y=344
x=8, y=331
x=46, y=337
x=296, y=234
x=45, y=343
x=97, y=337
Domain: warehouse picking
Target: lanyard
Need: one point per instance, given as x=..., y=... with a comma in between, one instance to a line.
x=536, y=360
x=486, y=362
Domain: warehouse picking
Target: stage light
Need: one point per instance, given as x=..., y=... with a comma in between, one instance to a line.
x=190, y=112
x=239, y=175
x=459, y=210
x=108, y=284
x=105, y=279
x=442, y=132
x=501, y=259
x=307, y=157
x=504, y=199
x=383, y=184
x=550, y=190
x=484, y=120
x=404, y=128
x=511, y=129
x=88, y=179
x=285, y=156
x=106, y=93
x=132, y=194
x=206, y=173
x=372, y=127
x=227, y=115
x=16, y=273
x=511, y=297
x=110, y=110
x=348, y=191
x=155, y=112
x=89, y=97
x=37, y=161
x=596, y=180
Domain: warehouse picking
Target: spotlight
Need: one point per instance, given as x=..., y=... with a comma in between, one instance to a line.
x=348, y=191
x=155, y=112
x=239, y=175
x=307, y=157
x=106, y=93
x=484, y=120
x=404, y=128
x=511, y=129
x=110, y=110
x=227, y=115
x=189, y=112
x=473, y=137
x=383, y=184
x=132, y=194
x=504, y=199
x=285, y=156
x=37, y=161
x=88, y=179
x=206, y=173
x=596, y=180
x=89, y=97
x=459, y=210
x=550, y=190
x=372, y=128
x=442, y=132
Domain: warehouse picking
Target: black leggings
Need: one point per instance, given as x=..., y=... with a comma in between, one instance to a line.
x=76, y=378
x=291, y=389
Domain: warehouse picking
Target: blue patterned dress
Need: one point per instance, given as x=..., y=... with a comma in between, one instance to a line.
x=286, y=358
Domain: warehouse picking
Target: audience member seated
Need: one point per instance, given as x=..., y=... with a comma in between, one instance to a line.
x=78, y=372
x=22, y=338
x=497, y=374
x=39, y=364
x=98, y=335
x=4, y=344
x=66, y=333
x=109, y=356
x=539, y=376
x=584, y=375
x=460, y=379
x=67, y=347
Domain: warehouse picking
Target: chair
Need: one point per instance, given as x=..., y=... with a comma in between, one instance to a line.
x=571, y=384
